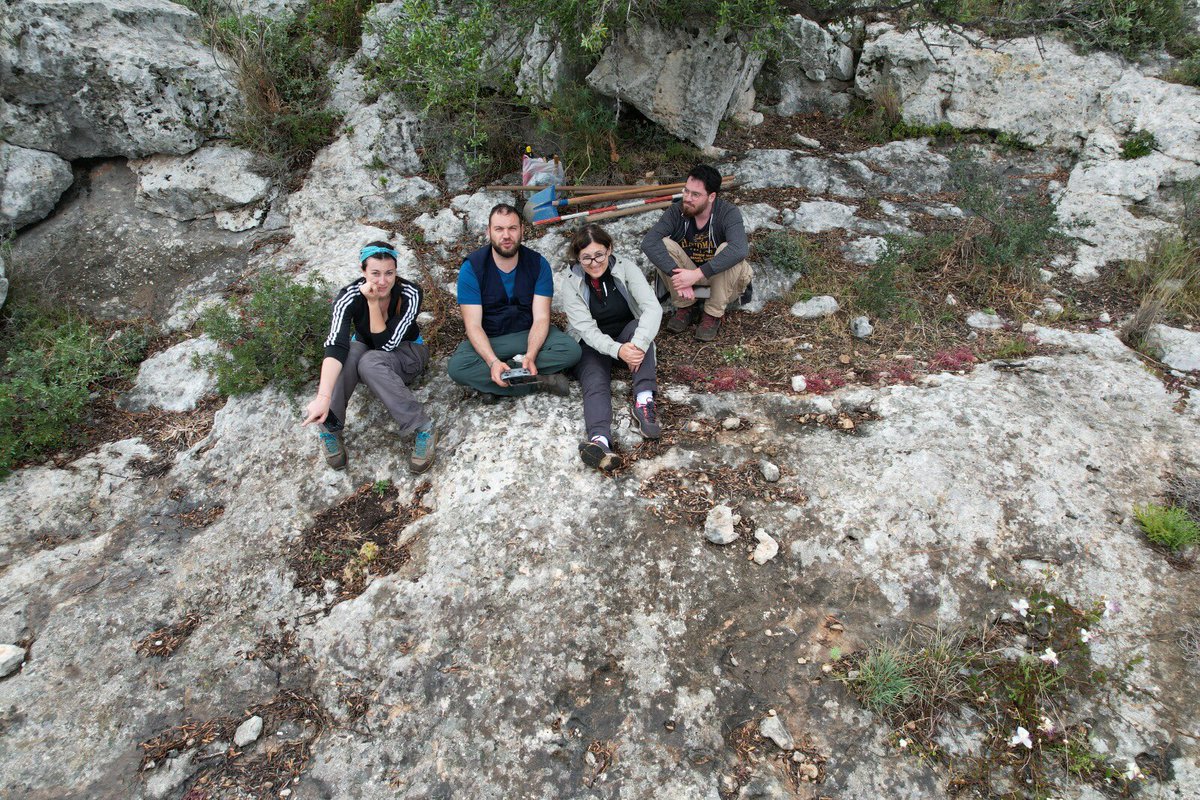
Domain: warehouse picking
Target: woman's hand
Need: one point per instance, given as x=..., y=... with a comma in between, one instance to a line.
x=370, y=291
x=318, y=409
x=632, y=355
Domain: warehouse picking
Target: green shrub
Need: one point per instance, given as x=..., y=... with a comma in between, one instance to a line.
x=1167, y=282
x=1138, y=145
x=338, y=22
x=790, y=252
x=1130, y=27
x=1170, y=527
x=881, y=682
x=280, y=69
x=1186, y=72
x=273, y=335
x=54, y=364
x=581, y=126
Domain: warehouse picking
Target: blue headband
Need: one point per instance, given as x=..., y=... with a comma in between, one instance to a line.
x=375, y=250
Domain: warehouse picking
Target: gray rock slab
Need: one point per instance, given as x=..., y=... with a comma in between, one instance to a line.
x=132, y=78
x=31, y=181
x=657, y=71
x=213, y=178
x=983, y=321
x=904, y=523
x=120, y=261
x=772, y=728
x=170, y=380
x=815, y=307
x=1177, y=348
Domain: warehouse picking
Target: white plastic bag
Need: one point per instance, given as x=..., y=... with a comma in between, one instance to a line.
x=541, y=171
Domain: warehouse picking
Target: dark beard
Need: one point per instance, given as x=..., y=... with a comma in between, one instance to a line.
x=496, y=249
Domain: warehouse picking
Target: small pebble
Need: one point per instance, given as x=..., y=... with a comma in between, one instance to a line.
x=767, y=548
x=11, y=658
x=731, y=423
x=248, y=731
x=799, y=384
x=770, y=471
x=694, y=426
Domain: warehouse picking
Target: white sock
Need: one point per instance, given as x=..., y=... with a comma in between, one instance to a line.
x=601, y=440
x=643, y=398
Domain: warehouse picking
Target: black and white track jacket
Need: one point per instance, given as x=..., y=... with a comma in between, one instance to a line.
x=350, y=308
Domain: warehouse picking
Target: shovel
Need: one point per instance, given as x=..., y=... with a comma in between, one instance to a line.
x=616, y=210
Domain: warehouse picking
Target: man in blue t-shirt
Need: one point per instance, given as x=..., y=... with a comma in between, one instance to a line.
x=504, y=292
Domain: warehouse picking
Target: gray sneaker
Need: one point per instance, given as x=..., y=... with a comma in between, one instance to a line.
x=423, y=449
x=334, y=447
x=554, y=384
x=646, y=417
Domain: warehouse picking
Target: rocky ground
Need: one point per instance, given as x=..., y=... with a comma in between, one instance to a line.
x=194, y=606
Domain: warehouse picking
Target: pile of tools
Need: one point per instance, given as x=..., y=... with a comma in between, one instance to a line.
x=548, y=204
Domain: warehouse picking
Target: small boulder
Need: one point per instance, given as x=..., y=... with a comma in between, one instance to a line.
x=770, y=472
x=861, y=328
x=772, y=728
x=11, y=658
x=248, y=731
x=815, y=308
x=766, y=549
x=799, y=383
x=981, y=320
x=718, y=526
x=731, y=423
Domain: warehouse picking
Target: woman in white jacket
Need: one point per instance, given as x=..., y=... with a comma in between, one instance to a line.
x=613, y=314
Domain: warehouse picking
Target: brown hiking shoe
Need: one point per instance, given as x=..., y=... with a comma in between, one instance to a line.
x=707, y=330
x=680, y=320
x=599, y=455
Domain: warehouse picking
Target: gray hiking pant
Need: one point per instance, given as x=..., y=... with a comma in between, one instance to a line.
x=387, y=374
x=594, y=371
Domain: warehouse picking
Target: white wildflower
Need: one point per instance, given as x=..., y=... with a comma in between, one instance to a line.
x=1021, y=737
x=1050, y=657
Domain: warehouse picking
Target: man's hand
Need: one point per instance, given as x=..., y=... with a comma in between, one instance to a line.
x=685, y=279
x=632, y=355
x=529, y=362
x=318, y=409
x=498, y=367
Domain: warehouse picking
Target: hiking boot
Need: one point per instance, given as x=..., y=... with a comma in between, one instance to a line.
x=334, y=447
x=423, y=449
x=554, y=384
x=680, y=320
x=646, y=417
x=599, y=455
x=706, y=331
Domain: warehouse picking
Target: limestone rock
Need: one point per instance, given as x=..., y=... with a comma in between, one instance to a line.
x=1040, y=90
x=169, y=380
x=799, y=383
x=444, y=227
x=1177, y=348
x=861, y=327
x=821, y=215
x=170, y=776
x=982, y=321
x=718, y=526
x=3, y=283
x=769, y=470
x=660, y=73
x=865, y=251
x=815, y=308
x=126, y=78
x=248, y=731
x=213, y=178
x=819, y=67
x=772, y=728
x=31, y=181
x=11, y=658
x=766, y=549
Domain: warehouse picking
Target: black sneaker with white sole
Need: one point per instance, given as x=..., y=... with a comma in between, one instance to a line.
x=599, y=455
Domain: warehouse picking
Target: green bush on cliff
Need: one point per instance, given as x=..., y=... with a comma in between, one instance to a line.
x=271, y=335
x=53, y=368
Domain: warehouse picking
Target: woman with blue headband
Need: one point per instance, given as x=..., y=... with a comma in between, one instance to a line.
x=385, y=352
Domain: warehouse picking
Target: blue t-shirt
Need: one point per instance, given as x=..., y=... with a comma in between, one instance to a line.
x=468, y=286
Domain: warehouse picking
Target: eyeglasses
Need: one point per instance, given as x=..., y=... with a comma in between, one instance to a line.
x=596, y=259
